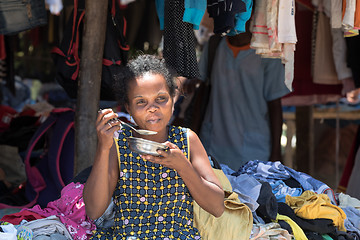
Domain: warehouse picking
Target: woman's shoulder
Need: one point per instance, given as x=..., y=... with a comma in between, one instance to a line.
x=178, y=130
x=189, y=134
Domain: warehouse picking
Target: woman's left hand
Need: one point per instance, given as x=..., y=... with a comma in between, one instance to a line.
x=172, y=158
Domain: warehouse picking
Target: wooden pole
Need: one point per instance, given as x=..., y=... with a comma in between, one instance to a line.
x=89, y=84
x=304, y=139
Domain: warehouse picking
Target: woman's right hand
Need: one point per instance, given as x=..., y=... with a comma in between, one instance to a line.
x=106, y=124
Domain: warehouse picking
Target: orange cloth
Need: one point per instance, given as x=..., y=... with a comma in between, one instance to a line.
x=236, y=50
x=357, y=15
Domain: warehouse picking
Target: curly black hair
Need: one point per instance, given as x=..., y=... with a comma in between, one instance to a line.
x=138, y=67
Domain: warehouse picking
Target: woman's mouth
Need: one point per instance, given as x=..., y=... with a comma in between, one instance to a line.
x=153, y=121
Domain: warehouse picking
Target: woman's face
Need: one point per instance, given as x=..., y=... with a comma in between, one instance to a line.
x=150, y=103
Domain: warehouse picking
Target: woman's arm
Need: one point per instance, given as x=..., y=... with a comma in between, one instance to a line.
x=101, y=183
x=201, y=180
x=197, y=174
x=102, y=180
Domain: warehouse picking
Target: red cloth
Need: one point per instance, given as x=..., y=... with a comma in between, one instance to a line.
x=2, y=48
x=306, y=3
x=303, y=82
x=16, y=218
x=6, y=115
x=34, y=36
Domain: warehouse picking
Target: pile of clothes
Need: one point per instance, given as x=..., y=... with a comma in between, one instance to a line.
x=286, y=203
x=272, y=202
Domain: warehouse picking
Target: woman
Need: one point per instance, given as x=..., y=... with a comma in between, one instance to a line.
x=152, y=195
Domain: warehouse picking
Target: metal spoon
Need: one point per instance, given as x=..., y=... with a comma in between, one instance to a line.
x=139, y=131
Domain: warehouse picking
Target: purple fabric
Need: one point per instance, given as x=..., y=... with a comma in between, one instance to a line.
x=70, y=209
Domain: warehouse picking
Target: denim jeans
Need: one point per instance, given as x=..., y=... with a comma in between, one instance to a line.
x=21, y=15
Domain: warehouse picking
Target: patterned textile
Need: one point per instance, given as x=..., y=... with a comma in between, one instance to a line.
x=151, y=201
x=179, y=41
x=70, y=209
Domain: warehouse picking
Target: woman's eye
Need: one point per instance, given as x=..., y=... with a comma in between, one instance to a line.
x=161, y=99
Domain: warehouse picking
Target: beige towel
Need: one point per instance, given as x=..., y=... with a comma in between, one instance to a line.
x=235, y=223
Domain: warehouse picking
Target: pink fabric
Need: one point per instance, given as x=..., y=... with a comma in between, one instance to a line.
x=70, y=209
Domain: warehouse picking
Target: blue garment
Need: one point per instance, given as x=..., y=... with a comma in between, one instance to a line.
x=280, y=190
x=352, y=221
x=21, y=97
x=194, y=12
x=223, y=12
x=54, y=236
x=20, y=15
x=247, y=188
x=241, y=19
x=160, y=9
x=107, y=219
x=236, y=127
x=270, y=171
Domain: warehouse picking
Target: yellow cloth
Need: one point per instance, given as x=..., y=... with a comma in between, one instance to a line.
x=297, y=231
x=311, y=205
x=235, y=223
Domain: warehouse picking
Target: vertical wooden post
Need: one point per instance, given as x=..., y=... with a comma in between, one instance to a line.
x=304, y=139
x=89, y=84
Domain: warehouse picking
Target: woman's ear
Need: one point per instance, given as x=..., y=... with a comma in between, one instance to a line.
x=126, y=105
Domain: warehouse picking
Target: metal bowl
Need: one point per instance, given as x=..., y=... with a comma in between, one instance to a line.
x=144, y=146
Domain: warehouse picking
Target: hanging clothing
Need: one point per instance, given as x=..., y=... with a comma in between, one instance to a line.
x=348, y=14
x=142, y=17
x=194, y=12
x=336, y=13
x=241, y=18
x=151, y=201
x=179, y=41
x=286, y=22
x=324, y=65
x=223, y=12
x=2, y=50
x=274, y=35
x=18, y=15
x=305, y=91
x=55, y=6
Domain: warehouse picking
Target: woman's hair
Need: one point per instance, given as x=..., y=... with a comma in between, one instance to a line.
x=138, y=67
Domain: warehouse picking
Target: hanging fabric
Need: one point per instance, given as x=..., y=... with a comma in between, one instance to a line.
x=20, y=15
x=179, y=41
x=324, y=68
x=67, y=55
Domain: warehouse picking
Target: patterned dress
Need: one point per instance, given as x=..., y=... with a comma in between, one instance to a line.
x=151, y=201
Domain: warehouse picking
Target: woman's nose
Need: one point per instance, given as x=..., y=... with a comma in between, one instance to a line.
x=152, y=108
